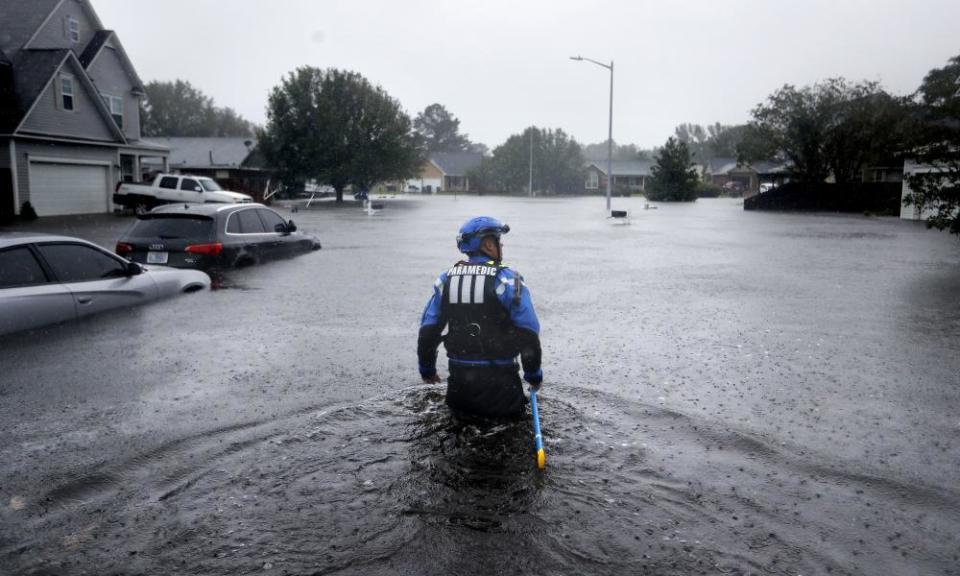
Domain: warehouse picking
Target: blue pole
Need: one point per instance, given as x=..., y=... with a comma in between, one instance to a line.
x=541, y=456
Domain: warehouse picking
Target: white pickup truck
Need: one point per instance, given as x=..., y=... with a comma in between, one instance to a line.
x=175, y=189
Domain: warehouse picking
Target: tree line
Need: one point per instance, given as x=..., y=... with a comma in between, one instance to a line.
x=837, y=129
x=336, y=127
x=176, y=108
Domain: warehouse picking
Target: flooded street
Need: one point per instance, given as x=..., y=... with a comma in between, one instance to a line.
x=725, y=392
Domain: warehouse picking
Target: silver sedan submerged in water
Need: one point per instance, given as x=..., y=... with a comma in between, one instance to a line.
x=47, y=279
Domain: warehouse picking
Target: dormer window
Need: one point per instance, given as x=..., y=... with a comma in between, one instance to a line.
x=66, y=92
x=73, y=29
x=115, y=106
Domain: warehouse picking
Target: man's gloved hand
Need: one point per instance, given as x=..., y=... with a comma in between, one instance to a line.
x=431, y=379
x=535, y=379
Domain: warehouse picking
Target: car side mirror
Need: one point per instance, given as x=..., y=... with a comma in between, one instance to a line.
x=291, y=227
x=281, y=228
x=133, y=269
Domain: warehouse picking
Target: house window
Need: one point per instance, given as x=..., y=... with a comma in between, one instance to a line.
x=66, y=92
x=115, y=106
x=73, y=29
x=593, y=180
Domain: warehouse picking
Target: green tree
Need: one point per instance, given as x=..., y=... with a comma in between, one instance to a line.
x=832, y=127
x=722, y=141
x=598, y=152
x=440, y=130
x=696, y=139
x=867, y=126
x=792, y=125
x=178, y=109
x=673, y=177
x=936, y=145
x=335, y=127
x=557, y=164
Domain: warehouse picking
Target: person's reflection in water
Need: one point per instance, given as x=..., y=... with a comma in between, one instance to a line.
x=470, y=471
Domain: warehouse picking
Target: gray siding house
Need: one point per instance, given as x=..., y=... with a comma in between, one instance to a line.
x=629, y=176
x=69, y=110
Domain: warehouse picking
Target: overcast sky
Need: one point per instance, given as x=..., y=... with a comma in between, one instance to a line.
x=500, y=66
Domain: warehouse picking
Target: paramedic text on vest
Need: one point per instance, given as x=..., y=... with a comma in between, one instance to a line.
x=490, y=320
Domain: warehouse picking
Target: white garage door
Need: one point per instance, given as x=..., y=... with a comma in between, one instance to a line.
x=57, y=189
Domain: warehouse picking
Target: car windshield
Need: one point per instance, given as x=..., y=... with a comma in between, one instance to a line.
x=168, y=228
x=209, y=185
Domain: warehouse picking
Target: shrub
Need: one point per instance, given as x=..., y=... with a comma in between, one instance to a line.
x=709, y=190
x=27, y=212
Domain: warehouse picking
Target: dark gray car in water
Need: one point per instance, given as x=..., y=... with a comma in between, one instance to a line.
x=47, y=279
x=213, y=236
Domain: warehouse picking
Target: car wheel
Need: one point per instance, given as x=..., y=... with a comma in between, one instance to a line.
x=245, y=260
x=141, y=209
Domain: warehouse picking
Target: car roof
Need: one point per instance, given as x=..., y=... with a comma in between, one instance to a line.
x=8, y=239
x=199, y=209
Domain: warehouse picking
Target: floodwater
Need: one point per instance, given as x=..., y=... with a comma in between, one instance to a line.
x=726, y=393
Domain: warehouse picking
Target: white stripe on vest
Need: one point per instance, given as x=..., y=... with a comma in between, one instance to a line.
x=466, y=289
x=478, y=282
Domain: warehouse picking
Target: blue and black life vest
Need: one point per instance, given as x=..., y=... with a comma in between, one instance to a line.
x=479, y=325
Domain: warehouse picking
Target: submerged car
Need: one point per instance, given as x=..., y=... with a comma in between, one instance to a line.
x=208, y=236
x=47, y=279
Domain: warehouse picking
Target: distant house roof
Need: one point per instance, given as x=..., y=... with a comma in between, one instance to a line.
x=21, y=20
x=770, y=167
x=456, y=163
x=227, y=152
x=626, y=167
x=721, y=165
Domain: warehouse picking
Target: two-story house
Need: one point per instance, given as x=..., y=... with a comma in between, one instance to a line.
x=69, y=109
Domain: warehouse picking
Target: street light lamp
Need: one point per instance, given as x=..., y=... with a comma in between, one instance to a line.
x=610, y=125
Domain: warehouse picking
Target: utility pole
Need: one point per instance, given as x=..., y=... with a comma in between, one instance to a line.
x=530, y=183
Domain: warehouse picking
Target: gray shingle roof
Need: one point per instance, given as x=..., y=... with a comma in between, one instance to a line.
x=626, y=167
x=456, y=163
x=31, y=70
x=19, y=19
x=8, y=99
x=93, y=48
x=721, y=165
x=207, y=152
x=769, y=167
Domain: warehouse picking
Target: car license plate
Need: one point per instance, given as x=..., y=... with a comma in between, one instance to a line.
x=156, y=257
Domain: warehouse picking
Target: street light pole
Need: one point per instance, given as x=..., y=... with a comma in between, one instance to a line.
x=530, y=185
x=609, y=126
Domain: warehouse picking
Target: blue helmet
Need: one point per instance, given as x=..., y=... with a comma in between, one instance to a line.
x=475, y=230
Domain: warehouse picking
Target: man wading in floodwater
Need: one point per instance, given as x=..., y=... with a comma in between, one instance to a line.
x=491, y=321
